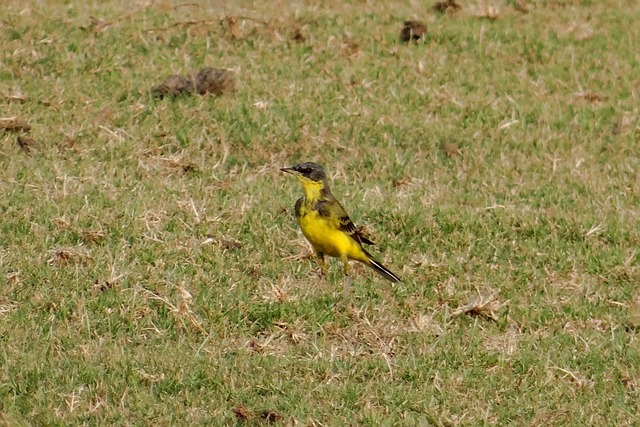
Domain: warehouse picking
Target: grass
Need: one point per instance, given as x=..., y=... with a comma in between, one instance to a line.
x=153, y=272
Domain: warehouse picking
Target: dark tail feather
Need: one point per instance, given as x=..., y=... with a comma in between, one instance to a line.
x=382, y=270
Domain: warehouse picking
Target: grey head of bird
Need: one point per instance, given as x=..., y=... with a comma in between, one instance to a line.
x=309, y=170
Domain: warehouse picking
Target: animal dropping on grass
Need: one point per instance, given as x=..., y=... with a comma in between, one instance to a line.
x=412, y=31
x=214, y=81
x=447, y=6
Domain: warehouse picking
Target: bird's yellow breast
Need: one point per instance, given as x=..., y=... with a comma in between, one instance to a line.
x=325, y=236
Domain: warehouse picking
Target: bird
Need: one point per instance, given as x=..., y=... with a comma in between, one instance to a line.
x=326, y=224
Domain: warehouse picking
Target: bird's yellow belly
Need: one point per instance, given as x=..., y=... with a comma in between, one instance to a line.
x=327, y=238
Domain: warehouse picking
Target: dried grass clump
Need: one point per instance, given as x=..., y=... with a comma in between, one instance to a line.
x=26, y=144
x=14, y=124
x=485, y=306
x=69, y=256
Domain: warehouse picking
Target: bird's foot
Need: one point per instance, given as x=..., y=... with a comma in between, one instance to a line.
x=322, y=275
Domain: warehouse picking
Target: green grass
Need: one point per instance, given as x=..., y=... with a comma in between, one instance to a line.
x=152, y=272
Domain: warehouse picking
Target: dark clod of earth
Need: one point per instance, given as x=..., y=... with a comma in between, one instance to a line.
x=208, y=80
x=446, y=6
x=412, y=31
x=297, y=36
x=174, y=85
x=214, y=81
x=242, y=412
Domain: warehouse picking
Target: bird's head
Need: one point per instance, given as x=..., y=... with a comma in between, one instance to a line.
x=307, y=171
x=310, y=175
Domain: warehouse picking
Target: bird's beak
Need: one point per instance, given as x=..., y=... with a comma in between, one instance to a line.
x=289, y=170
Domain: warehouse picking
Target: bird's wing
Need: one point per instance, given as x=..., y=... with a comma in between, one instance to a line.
x=333, y=210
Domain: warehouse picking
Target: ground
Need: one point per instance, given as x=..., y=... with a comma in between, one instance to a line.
x=152, y=271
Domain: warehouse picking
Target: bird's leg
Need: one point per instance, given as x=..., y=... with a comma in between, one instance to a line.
x=346, y=287
x=345, y=263
x=321, y=264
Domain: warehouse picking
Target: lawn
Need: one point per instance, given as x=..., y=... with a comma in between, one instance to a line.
x=152, y=271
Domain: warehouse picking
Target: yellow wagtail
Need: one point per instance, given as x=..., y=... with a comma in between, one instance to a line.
x=326, y=225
